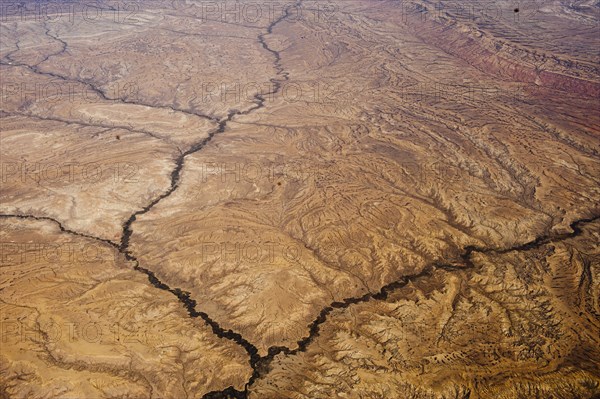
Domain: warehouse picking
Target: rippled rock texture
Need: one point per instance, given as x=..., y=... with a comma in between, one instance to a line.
x=344, y=199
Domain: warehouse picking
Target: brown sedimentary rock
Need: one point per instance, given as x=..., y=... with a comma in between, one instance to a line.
x=79, y=322
x=356, y=199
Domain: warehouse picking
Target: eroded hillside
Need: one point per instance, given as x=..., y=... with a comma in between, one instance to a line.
x=341, y=199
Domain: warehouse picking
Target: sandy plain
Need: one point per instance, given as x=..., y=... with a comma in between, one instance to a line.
x=343, y=199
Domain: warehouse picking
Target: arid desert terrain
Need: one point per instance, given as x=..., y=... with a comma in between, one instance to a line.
x=312, y=199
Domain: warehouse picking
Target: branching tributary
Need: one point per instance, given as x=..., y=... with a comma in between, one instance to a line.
x=260, y=364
